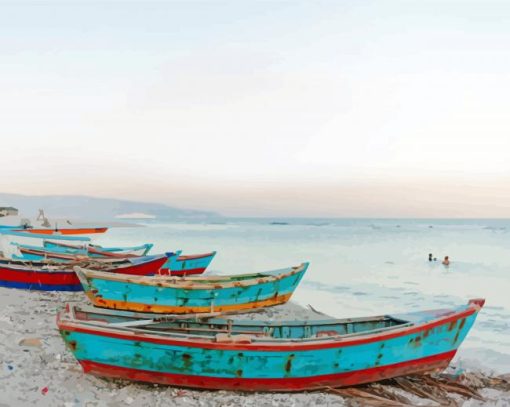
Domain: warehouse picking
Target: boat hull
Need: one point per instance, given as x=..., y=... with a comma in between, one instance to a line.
x=430, y=364
x=175, y=264
x=143, y=268
x=188, y=265
x=39, y=279
x=160, y=295
x=262, y=365
x=141, y=250
x=67, y=231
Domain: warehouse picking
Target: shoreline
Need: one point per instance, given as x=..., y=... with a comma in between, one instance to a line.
x=37, y=368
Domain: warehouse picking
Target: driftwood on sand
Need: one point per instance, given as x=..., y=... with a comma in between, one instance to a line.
x=433, y=390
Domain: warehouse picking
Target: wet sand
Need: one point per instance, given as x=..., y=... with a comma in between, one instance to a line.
x=36, y=368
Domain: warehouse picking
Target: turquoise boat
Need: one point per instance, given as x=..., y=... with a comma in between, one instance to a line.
x=187, y=265
x=51, y=276
x=176, y=265
x=248, y=355
x=6, y=231
x=140, y=250
x=170, y=295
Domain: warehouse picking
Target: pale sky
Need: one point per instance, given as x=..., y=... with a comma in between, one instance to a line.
x=332, y=108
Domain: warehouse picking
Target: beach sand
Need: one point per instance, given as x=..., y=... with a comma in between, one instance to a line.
x=38, y=369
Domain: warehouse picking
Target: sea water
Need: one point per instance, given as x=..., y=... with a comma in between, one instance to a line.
x=364, y=267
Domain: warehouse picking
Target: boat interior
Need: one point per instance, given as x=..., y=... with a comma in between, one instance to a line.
x=210, y=327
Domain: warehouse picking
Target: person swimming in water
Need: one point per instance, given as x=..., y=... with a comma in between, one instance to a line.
x=446, y=261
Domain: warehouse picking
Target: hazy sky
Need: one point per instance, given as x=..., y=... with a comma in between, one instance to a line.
x=333, y=108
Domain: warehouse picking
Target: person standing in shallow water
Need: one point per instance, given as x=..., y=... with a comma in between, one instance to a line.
x=446, y=261
x=430, y=256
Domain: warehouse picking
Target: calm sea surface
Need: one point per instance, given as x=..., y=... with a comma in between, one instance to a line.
x=365, y=267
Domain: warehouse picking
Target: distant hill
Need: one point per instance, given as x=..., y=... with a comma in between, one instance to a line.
x=76, y=207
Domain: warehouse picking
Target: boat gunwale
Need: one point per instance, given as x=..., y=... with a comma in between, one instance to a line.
x=261, y=343
x=86, y=246
x=39, y=267
x=215, y=317
x=50, y=254
x=190, y=283
x=255, y=334
x=186, y=257
x=35, y=269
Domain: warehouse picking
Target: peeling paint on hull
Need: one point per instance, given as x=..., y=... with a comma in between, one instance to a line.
x=180, y=309
x=19, y=275
x=44, y=280
x=174, y=264
x=418, y=366
x=259, y=363
x=188, y=265
x=190, y=295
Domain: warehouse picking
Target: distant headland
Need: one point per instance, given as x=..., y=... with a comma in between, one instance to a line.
x=77, y=206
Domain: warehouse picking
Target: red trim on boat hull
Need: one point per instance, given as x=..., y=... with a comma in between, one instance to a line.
x=38, y=276
x=69, y=231
x=182, y=272
x=423, y=365
x=70, y=326
x=143, y=269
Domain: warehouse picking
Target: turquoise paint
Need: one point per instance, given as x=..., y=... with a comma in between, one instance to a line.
x=55, y=236
x=278, y=330
x=178, y=296
x=52, y=249
x=176, y=264
x=254, y=363
x=32, y=257
x=55, y=247
x=146, y=247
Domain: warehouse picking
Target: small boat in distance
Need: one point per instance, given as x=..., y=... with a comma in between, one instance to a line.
x=64, y=231
x=247, y=355
x=165, y=294
x=7, y=231
x=43, y=226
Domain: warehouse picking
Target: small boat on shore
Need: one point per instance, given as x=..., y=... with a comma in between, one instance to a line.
x=165, y=294
x=30, y=252
x=141, y=250
x=43, y=277
x=247, y=355
x=187, y=265
x=10, y=238
x=52, y=276
x=176, y=265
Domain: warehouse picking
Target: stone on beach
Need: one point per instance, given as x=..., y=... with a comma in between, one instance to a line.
x=34, y=342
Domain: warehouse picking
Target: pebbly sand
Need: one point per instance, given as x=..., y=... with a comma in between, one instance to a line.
x=37, y=369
